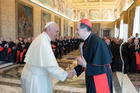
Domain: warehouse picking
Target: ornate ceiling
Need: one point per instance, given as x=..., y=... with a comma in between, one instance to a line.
x=84, y=4
x=91, y=9
x=98, y=9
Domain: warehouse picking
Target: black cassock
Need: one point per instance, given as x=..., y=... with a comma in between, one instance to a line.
x=133, y=63
x=98, y=72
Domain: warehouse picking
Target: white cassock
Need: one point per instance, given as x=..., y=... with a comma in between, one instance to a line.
x=40, y=65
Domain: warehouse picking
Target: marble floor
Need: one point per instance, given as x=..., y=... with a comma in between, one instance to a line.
x=135, y=78
x=10, y=78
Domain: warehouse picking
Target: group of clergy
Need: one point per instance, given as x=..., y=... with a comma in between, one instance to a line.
x=130, y=53
x=15, y=51
x=11, y=51
x=62, y=46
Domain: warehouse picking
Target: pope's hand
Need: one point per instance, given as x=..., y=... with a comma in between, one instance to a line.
x=81, y=61
x=71, y=74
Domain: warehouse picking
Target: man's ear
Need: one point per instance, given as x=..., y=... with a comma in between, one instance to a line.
x=48, y=30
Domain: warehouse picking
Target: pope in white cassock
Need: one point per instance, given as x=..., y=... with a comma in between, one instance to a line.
x=41, y=63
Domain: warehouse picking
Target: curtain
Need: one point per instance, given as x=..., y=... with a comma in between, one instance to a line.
x=136, y=24
x=123, y=31
x=131, y=15
x=116, y=33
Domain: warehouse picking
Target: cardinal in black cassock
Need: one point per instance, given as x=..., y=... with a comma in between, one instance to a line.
x=135, y=56
x=95, y=61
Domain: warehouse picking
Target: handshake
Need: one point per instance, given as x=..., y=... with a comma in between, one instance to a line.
x=71, y=74
x=80, y=61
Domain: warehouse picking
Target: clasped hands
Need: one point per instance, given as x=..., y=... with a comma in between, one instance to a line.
x=80, y=61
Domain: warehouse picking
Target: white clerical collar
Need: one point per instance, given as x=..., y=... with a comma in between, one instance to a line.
x=87, y=36
x=47, y=36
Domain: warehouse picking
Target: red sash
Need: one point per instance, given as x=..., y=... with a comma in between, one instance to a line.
x=101, y=83
x=9, y=50
x=84, y=69
x=18, y=51
x=138, y=60
x=53, y=47
x=1, y=49
x=53, y=50
x=21, y=54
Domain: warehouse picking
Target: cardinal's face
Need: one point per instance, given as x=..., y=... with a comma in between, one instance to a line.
x=80, y=31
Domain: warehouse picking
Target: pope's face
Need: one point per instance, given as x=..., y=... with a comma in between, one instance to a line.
x=54, y=32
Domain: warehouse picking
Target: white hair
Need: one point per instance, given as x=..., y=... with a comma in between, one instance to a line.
x=48, y=24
